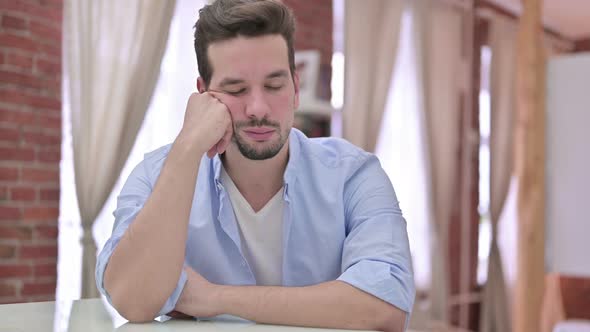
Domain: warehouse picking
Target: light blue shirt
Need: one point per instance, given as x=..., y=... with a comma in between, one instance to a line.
x=341, y=220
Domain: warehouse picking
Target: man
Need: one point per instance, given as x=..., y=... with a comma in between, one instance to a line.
x=244, y=215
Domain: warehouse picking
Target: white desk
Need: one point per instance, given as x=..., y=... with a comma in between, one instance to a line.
x=91, y=316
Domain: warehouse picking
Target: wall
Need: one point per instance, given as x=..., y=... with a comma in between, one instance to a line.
x=314, y=32
x=30, y=138
x=567, y=221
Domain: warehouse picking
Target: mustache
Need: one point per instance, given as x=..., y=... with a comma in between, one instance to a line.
x=256, y=123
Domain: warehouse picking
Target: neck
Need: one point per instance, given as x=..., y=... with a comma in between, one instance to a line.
x=257, y=180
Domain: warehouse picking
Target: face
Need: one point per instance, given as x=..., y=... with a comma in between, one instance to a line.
x=253, y=74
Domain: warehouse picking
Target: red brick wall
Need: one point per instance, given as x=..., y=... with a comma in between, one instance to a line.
x=30, y=137
x=314, y=32
x=582, y=45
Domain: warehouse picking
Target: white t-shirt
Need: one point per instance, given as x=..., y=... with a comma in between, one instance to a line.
x=261, y=233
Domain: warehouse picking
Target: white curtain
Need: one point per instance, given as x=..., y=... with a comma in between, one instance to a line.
x=439, y=40
x=113, y=51
x=370, y=44
x=401, y=149
x=503, y=45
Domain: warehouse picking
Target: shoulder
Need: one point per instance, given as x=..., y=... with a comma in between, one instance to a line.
x=152, y=162
x=332, y=152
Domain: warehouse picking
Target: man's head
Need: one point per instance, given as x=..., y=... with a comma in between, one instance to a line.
x=245, y=50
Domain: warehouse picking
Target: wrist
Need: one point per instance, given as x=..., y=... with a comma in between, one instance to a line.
x=188, y=142
x=217, y=297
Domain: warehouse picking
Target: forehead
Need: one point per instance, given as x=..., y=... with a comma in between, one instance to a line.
x=248, y=57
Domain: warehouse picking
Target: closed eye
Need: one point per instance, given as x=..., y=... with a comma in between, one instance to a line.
x=236, y=92
x=273, y=87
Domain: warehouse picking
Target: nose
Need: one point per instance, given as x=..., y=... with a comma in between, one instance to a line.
x=257, y=105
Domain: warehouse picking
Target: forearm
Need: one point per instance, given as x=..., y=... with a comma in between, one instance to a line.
x=332, y=304
x=145, y=267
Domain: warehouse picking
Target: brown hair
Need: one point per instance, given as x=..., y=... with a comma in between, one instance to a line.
x=226, y=19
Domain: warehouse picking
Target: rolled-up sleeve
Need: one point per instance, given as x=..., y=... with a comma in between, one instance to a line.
x=133, y=196
x=376, y=254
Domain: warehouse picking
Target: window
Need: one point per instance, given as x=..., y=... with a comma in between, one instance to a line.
x=485, y=227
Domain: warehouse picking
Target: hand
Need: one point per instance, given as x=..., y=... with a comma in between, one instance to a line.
x=207, y=122
x=198, y=296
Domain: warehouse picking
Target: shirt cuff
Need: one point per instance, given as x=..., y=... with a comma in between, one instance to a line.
x=385, y=281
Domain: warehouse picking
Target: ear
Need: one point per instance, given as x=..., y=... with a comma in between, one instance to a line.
x=201, y=85
x=296, y=86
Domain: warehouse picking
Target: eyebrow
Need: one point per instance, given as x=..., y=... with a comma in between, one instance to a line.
x=232, y=81
x=278, y=73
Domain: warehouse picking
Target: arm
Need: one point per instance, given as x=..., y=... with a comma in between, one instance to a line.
x=333, y=304
x=374, y=291
x=146, y=264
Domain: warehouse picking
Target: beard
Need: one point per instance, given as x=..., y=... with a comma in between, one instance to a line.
x=249, y=150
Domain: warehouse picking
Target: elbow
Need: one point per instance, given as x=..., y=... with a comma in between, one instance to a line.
x=137, y=316
x=132, y=310
x=392, y=320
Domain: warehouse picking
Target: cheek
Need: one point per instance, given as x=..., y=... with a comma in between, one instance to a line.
x=235, y=106
x=282, y=105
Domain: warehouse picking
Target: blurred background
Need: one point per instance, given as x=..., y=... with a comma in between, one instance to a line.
x=476, y=108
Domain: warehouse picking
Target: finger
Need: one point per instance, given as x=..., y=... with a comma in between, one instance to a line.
x=211, y=152
x=225, y=141
x=221, y=96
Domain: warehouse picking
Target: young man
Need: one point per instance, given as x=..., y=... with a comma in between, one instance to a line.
x=244, y=215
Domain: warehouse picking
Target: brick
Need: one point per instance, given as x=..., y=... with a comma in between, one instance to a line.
x=41, y=138
x=52, y=3
x=7, y=289
x=48, y=156
x=17, y=154
x=49, y=195
x=20, y=61
x=16, y=271
x=53, y=50
x=10, y=213
x=39, y=288
x=10, y=300
x=7, y=251
x=3, y=193
x=45, y=270
x=49, y=121
x=40, y=175
x=8, y=174
x=50, y=68
x=46, y=232
x=45, y=31
x=9, y=135
x=33, y=8
x=16, y=96
x=41, y=213
x=2, y=58
x=18, y=42
x=21, y=233
x=17, y=117
x=14, y=23
x=33, y=251
x=25, y=194
x=20, y=79
x=576, y=296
